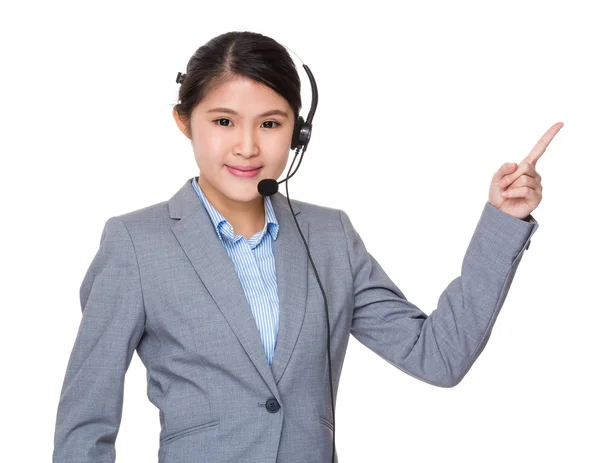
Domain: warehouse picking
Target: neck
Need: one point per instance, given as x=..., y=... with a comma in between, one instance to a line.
x=246, y=218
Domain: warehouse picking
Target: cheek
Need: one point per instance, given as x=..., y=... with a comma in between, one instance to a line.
x=216, y=142
x=275, y=151
x=209, y=150
x=278, y=145
x=281, y=162
x=211, y=142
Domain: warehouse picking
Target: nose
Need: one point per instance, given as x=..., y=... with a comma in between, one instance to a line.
x=247, y=145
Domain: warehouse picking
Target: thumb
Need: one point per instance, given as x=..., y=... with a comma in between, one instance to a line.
x=506, y=168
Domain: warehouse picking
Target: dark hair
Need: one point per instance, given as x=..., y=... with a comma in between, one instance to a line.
x=235, y=54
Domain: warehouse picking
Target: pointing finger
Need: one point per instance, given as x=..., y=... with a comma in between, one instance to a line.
x=542, y=144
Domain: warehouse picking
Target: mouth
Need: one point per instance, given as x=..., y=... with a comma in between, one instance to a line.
x=244, y=171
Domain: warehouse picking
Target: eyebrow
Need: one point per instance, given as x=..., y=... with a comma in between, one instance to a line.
x=273, y=112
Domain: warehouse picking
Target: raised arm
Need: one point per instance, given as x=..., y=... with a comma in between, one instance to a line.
x=440, y=348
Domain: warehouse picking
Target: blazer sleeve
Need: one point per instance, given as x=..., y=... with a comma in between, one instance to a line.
x=112, y=323
x=439, y=349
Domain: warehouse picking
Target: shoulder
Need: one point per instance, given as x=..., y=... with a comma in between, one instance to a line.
x=145, y=224
x=317, y=213
x=324, y=218
x=157, y=213
x=315, y=210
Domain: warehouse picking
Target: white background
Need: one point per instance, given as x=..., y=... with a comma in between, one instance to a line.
x=420, y=103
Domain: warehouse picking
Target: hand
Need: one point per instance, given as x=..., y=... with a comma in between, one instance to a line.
x=517, y=190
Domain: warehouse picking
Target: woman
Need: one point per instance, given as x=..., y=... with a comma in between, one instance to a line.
x=214, y=290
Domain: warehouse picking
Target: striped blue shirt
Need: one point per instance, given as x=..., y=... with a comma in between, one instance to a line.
x=254, y=263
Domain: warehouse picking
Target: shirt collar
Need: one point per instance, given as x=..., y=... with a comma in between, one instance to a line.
x=224, y=229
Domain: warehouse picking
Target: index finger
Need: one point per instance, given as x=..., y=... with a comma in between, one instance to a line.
x=540, y=146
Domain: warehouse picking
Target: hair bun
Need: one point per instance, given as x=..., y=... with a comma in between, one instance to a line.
x=180, y=77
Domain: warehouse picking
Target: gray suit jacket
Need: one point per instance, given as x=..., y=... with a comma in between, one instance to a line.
x=162, y=284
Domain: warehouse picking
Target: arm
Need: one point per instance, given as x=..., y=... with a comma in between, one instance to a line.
x=440, y=348
x=90, y=406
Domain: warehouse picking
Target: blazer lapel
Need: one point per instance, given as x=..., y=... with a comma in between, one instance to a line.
x=197, y=237
x=291, y=265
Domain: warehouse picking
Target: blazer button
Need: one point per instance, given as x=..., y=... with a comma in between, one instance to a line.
x=272, y=405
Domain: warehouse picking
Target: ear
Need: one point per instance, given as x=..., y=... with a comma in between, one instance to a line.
x=182, y=123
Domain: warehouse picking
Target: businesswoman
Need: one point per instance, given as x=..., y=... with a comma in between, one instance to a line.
x=215, y=291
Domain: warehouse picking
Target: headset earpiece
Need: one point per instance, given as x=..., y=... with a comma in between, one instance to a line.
x=301, y=135
x=302, y=129
x=296, y=133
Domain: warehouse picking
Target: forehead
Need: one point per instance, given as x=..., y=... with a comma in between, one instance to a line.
x=245, y=96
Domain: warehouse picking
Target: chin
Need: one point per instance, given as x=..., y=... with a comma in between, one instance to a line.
x=250, y=193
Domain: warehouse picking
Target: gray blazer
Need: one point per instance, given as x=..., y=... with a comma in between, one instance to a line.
x=162, y=284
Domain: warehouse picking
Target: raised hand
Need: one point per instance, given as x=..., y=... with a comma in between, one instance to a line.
x=517, y=189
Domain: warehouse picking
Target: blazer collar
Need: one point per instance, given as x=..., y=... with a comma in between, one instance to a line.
x=196, y=235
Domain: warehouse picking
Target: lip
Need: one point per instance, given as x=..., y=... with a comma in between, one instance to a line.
x=244, y=172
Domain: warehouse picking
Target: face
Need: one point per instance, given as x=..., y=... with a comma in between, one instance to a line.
x=242, y=123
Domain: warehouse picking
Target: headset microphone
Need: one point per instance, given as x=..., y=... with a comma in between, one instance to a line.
x=269, y=186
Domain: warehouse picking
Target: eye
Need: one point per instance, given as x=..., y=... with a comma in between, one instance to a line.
x=276, y=124
x=218, y=122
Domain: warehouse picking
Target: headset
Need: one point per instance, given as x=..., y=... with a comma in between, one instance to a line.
x=269, y=186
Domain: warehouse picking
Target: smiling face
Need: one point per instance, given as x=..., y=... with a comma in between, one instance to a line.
x=241, y=123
